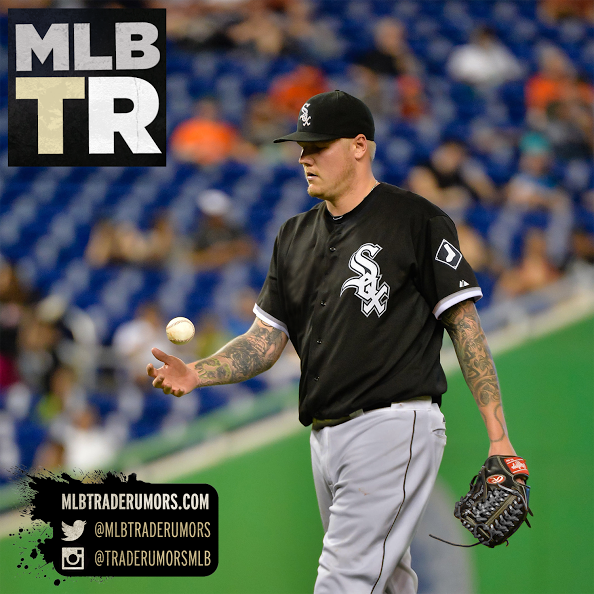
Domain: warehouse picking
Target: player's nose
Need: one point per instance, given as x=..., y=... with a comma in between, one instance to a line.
x=305, y=158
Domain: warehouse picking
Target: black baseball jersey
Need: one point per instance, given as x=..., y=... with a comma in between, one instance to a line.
x=360, y=296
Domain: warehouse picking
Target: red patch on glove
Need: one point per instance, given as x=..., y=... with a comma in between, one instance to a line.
x=517, y=465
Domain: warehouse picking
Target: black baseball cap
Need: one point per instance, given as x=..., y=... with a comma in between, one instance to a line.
x=332, y=115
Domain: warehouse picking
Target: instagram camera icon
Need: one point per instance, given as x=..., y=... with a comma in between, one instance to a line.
x=73, y=558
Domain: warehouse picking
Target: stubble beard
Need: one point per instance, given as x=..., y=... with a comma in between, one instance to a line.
x=338, y=189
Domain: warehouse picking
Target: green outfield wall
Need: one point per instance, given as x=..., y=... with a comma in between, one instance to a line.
x=270, y=532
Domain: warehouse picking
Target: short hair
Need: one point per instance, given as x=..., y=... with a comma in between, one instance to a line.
x=371, y=147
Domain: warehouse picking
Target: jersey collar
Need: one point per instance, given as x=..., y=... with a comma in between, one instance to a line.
x=352, y=214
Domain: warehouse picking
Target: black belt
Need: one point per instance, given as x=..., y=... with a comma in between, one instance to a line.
x=318, y=424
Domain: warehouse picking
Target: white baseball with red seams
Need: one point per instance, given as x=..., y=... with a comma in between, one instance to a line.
x=180, y=330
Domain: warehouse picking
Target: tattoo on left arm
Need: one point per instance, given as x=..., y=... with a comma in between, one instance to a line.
x=463, y=325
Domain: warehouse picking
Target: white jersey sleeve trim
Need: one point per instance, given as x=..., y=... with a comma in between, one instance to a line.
x=260, y=313
x=447, y=302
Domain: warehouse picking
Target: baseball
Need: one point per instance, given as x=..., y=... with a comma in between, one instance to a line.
x=180, y=330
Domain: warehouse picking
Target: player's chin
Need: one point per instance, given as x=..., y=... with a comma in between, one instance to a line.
x=315, y=191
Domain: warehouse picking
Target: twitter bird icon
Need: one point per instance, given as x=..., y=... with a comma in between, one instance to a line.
x=73, y=532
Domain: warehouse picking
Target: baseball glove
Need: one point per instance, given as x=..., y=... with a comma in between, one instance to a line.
x=497, y=504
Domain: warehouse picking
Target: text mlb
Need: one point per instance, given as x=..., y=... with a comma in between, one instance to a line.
x=131, y=38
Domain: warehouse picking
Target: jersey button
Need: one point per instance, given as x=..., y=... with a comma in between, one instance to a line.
x=316, y=379
x=319, y=341
x=322, y=303
x=332, y=249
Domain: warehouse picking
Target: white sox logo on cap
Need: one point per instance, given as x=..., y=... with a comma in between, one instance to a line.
x=305, y=117
x=366, y=285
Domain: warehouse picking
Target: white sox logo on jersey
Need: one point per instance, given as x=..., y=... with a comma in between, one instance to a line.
x=304, y=116
x=366, y=284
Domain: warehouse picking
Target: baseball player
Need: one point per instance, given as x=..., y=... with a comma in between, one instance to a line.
x=363, y=285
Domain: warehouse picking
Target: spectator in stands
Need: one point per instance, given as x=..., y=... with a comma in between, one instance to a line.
x=474, y=247
x=151, y=247
x=38, y=351
x=217, y=241
x=205, y=139
x=308, y=36
x=480, y=256
x=262, y=123
x=49, y=455
x=569, y=126
x=553, y=11
x=87, y=445
x=387, y=76
x=242, y=311
x=583, y=245
x=131, y=338
x=495, y=142
x=261, y=30
x=483, y=63
x=390, y=54
x=533, y=190
x=288, y=92
x=534, y=271
x=124, y=243
x=587, y=200
x=377, y=91
x=13, y=303
x=64, y=396
x=411, y=100
x=451, y=180
x=103, y=246
x=6, y=4
x=198, y=26
x=210, y=335
x=556, y=82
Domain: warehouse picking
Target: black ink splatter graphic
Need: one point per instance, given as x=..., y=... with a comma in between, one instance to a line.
x=37, y=491
x=108, y=524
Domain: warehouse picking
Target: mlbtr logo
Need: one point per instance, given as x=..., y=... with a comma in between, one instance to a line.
x=86, y=87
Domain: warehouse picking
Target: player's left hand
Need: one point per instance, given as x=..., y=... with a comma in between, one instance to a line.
x=504, y=448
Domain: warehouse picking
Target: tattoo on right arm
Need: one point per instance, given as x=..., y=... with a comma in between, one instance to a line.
x=244, y=357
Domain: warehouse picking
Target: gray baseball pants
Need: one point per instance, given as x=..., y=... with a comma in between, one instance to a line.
x=373, y=477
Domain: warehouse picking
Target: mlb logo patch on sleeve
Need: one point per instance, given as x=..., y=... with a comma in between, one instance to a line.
x=448, y=254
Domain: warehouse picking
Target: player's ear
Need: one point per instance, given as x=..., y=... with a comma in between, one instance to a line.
x=360, y=146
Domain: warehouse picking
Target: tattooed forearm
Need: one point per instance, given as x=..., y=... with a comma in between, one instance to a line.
x=244, y=357
x=463, y=325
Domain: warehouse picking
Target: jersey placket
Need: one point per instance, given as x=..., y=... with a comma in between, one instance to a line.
x=325, y=299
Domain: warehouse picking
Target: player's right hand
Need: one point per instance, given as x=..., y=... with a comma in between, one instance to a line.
x=175, y=377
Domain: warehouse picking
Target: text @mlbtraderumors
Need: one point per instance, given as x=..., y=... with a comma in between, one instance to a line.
x=152, y=529
x=135, y=501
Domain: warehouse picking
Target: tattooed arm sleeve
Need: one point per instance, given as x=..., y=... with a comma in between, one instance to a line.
x=244, y=357
x=463, y=325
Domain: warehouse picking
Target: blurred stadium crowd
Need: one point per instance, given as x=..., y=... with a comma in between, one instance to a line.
x=483, y=107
